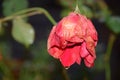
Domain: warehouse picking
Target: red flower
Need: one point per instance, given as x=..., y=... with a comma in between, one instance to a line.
x=72, y=39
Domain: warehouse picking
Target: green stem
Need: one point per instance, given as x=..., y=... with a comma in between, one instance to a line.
x=77, y=10
x=107, y=56
x=30, y=12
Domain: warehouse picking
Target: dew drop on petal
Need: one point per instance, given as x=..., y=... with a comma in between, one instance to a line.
x=66, y=68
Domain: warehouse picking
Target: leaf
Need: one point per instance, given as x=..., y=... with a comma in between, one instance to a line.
x=12, y=6
x=114, y=24
x=22, y=32
x=86, y=11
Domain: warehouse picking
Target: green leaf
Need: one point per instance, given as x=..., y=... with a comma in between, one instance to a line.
x=114, y=24
x=22, y=32
x=12, y=6
x=86, y=11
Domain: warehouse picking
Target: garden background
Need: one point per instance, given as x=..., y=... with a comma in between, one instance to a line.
x=20, y=60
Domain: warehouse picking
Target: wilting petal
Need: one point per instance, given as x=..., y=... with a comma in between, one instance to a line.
x=65, y=31
x=90, y=59
x=66, y=26
x=88, y=64
x=53, y=44
x=78, y=60
x=70, y=56
x=51, y=39
x=91, y=31
x=90, y=45
x=73, y=38
x=55, y=52
x=83, y=50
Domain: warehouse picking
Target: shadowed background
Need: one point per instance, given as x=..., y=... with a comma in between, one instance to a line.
x=45, y=65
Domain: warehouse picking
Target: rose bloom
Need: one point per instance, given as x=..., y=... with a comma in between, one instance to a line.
x=74, y=38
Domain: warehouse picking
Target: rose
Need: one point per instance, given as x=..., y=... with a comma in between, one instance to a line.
x=72, y=39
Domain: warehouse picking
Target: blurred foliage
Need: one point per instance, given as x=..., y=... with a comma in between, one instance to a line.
x=12, y=6
x=100, y=49
x=1, y=29
x=22, y=32
x=5, y=49
x=114, y=24
x=40, y=65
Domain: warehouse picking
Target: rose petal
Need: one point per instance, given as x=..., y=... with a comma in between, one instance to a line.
x=90, y=45
x=92, y=31
x=55, y=52
x=83, y=50
x=78, y=60
x=90, y=59
x=76, y=39
x=88, y=64
x=65, y=28
x=51, y=39
x=69, y=56
x=53, y=44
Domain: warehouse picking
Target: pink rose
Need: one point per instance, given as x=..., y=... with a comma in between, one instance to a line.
x=74, y=38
